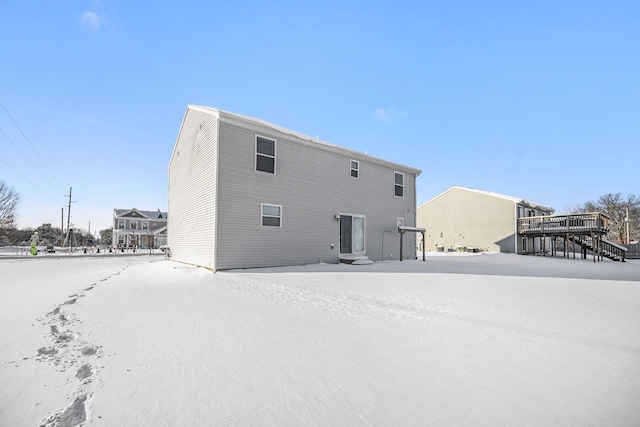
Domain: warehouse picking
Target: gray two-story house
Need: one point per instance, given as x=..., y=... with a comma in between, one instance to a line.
x=247, y=193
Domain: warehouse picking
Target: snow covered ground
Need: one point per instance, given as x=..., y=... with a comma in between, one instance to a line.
x=482, y=339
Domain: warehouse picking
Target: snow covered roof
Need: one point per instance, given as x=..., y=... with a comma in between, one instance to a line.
x=153, y=215
x=235, y=117
x=516, y=200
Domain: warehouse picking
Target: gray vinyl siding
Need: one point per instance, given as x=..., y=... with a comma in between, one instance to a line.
x=469, y=218
x=192, y=191
x=312, y=184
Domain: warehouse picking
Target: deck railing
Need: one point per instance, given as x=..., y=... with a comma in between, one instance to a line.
x=595, y=222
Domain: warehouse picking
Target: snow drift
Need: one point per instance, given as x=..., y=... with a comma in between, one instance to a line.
x=457, y=340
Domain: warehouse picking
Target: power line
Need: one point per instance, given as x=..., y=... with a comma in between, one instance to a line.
x=28, y=141
x=23, y=177
x=23, y=155
x=34, y=131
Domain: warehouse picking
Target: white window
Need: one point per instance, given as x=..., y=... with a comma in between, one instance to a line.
x=133, y=225
x=355, y=168
x=121, y=223
x=271, y=215
x=399, y=184
x=120, y=240
x=145, y=225
x=265, y=155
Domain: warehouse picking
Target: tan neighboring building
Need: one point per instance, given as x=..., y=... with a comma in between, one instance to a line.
x=466, y=217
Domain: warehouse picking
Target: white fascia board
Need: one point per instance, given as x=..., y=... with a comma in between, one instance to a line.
x=515, y=200
x=247, y=121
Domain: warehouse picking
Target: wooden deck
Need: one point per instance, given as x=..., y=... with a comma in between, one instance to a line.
x=541, y=234
x=560, y=224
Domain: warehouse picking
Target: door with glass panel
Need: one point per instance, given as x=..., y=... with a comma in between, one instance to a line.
x=351, y=234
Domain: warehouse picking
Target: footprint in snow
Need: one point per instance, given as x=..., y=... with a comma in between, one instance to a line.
x=84, y=371
x=47, y=351
x=89, y=350
x=71, y=301
x=64, y=338
x=73, y=415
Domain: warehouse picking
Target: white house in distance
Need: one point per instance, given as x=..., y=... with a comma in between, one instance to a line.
x=246, y=193
x=466, y=217
x=143, y=229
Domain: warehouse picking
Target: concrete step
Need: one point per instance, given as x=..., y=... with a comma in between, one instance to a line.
x=355, y=259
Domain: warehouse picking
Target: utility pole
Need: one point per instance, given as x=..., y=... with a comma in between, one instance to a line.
x=62, y=228
x=68, y=221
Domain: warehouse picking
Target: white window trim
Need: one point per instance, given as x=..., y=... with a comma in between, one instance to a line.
x=123, y=224
x=394, y=183
x=262, y=205
x=256, y=154
x=357, y=169
x=145, y=223
x=131, y=225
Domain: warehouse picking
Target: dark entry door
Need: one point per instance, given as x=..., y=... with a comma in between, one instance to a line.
x=345, y=234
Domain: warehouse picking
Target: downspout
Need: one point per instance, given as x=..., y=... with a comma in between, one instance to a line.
x=384, y=231
x=515, y=249
x=415, y=215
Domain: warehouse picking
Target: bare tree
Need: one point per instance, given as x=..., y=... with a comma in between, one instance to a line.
x=9, y=199
x=616, y=207
x=106, y=236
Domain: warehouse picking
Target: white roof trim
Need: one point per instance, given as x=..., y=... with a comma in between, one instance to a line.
x=127, y=212
x=515, y=200
x=301, y=137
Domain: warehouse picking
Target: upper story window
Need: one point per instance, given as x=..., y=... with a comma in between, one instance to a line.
x=355, y=168
x=271, y=215
x=265, y=155
x=399, y=184
x=133, y=225
x=121, y=223
x=145, y=225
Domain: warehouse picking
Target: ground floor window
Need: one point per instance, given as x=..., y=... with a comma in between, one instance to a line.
x=271, y=215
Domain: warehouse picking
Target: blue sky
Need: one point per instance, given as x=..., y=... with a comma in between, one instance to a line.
x=539, y=100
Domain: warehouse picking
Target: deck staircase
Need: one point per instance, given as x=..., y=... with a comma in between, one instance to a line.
x=609, y=249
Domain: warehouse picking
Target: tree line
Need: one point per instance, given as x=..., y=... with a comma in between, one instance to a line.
x=50, y=235
x=47, y=234
x=623, y=213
